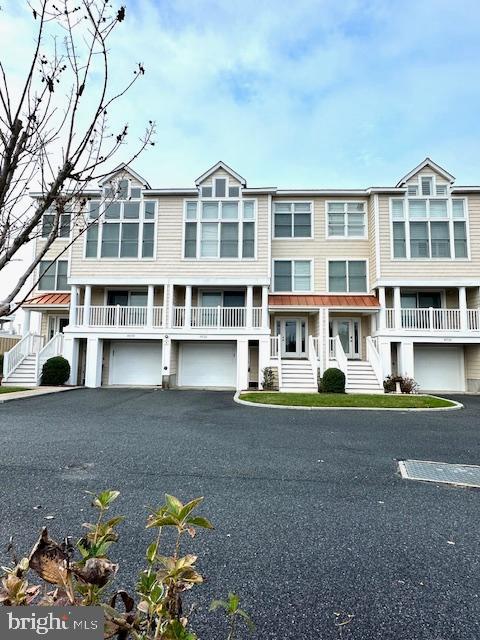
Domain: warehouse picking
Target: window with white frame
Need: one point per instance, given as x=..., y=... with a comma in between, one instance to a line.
x=429, y=227
x=346, y=219
x=222, y=229
x=125, y=226
x=53, y=275
x=292, y=219
x=292, y=275
x=65, y=219
x=347, y=276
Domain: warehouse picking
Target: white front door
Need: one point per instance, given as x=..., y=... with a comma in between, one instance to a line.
x=293, y=333
x=349, y=332
x=56, y=324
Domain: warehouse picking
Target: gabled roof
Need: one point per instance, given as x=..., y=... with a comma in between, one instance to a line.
x=427, y=163
x=221, y=165
x=124, y=167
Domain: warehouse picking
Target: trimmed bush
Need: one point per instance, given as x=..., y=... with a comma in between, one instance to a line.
x=268, y=382
x=407, y=385
x=333, y=381
x=55, y=371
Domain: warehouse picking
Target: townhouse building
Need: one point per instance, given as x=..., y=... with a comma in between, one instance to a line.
x=205, y=286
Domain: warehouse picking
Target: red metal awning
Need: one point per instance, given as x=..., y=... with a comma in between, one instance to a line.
x=48, y=299
x=279, y=300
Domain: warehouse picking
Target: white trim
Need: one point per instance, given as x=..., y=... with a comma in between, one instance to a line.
x=221, y=165
x=129, y=280
x=376, y=219
x=429, y=282
x=296, y=259
x=292, y=213
x=124, y=167
x=347, y=260
x=345, y=215
x=422, y=165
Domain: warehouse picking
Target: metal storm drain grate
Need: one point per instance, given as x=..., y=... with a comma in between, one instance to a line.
x=465, y=475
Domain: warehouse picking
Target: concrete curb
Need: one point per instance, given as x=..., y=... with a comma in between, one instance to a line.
x=33, y=393
x=455, y=407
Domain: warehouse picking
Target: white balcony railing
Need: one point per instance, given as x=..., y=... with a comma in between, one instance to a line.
x=332, y=343
x=431, y=319
x=118, y=316
x=274, y=346
x=257, y=316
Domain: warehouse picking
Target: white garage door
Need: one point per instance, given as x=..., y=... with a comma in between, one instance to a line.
x=208, y=364
x=136, y=363
x=439, y=368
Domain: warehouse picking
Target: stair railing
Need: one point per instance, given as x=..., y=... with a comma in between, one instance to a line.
x=341, y=358
x=373, y=357
x=30, y=343
x=54, y=347
x=313, y=357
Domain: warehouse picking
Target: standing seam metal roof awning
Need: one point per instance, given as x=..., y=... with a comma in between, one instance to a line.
x=366, y=301
x=48, y=300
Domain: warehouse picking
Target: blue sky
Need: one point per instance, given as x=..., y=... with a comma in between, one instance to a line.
x=303, y=93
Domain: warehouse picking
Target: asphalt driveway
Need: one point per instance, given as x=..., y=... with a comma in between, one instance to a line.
x=311, y=517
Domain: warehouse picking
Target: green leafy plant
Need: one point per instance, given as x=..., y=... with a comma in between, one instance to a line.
x=55, y=371
x=333, y=381
x=232, y=609
x=268, y=381
x=82, y=574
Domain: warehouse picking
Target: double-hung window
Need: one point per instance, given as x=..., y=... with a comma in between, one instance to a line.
x=346, y=219
x=53, y=275
x=292, y=275
x=429, y=227
x=125, y=227
x=292, y=219
x=349, y=276
x=219, y=229
x=64, y=222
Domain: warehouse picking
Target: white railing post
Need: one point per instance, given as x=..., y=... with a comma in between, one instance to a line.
x=341, y=358
x=117, y=315
x=382, y=310
x=430, y=319
x=373, y=357
x=265, y=307
x=219, y=319
x=249, y=319
x=72, y=314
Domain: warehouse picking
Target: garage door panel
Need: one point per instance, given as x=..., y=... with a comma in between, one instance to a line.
x=208, y=364
x=439, y=368
x=136, y=363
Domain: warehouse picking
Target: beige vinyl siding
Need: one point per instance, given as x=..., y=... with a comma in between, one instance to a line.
x=8, y=343
x=473, y=297
x=437, y=270
x=427, y=172
x=106, y=361
x=320, y=249
x=472, y=366
x=220, y=173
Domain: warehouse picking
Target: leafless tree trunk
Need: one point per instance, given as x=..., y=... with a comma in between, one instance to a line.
x=54, y=131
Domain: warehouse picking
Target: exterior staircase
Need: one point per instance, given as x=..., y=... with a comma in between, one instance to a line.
x=361, y=378
x=298, y=375
x=24, y=375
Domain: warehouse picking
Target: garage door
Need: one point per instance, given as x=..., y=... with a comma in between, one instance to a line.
x=136, y=363
x=439, y=368
x=208, y=364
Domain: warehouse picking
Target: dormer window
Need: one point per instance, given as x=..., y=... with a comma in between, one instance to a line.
x=220, y=187
x=427, y=188
x=206, y=192
x=412, y=190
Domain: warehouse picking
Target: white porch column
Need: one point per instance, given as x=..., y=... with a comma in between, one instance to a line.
x=70, y=353
x=406, y=364
x=249, y=310
x=87, y=300
x=150, y=299
x=397, y=307
x=385, y=351
x=382, y=314
x=93, y=365
x=166, y=358
x=168, y=305
x=26, y=322
x=72, y=314
x=263, y=356
x=188, y=305
x=265, y=318
x=242, y=364
x=462, y=305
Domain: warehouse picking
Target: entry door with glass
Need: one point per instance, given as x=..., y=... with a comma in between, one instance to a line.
x=348, y=330
x=56, y=324
x=293, y=333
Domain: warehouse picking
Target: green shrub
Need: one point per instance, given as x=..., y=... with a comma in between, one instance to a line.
x=268, y=382
x=55, y=371
x=333, y=381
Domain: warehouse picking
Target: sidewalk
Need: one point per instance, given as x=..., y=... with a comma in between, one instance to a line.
x=30, y=393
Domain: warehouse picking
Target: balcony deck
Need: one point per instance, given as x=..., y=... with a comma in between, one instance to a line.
x=432, y=320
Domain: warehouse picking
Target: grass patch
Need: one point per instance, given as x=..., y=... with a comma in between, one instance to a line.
x=347, y=400
x=12, y=389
